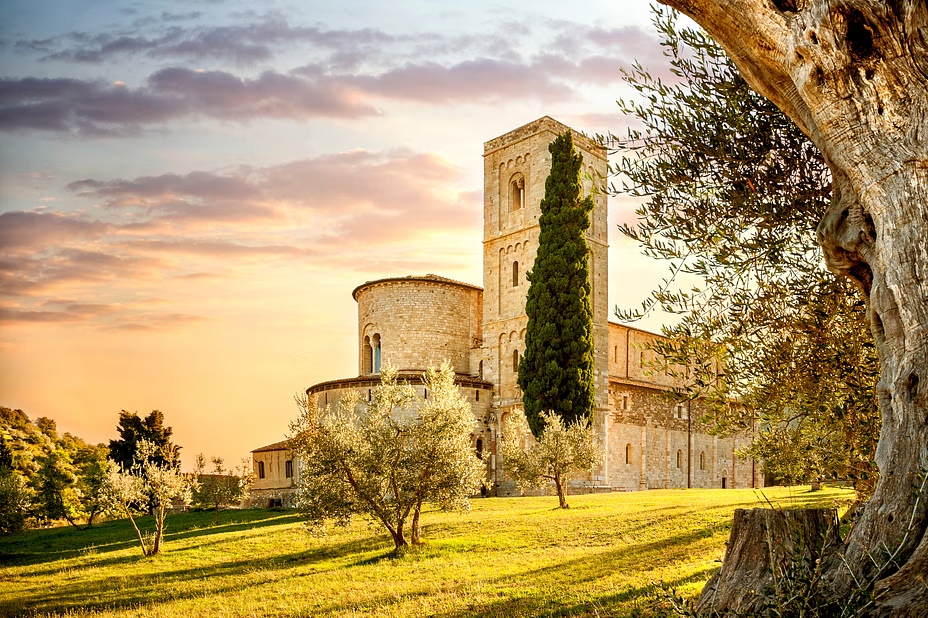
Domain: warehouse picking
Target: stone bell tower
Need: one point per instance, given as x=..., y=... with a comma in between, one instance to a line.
x=515, y=167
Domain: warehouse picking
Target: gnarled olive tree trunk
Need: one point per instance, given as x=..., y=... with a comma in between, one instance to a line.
x=853, y=75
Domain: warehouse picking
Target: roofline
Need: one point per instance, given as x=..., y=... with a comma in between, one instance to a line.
x=635, y=328
x=419, y=279
x=544, y=123
x=406, y=375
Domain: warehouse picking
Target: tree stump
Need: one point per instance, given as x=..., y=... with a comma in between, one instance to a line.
x=764, y=541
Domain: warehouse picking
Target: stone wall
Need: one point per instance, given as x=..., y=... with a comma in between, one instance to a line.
x=275, y=468
x=418, y=322
x=652, y=443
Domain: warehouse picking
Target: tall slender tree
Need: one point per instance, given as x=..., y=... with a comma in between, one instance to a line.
x=556, y=372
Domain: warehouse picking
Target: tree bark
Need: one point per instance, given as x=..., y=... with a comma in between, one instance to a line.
x=561, y=492
x=416, y=530
x=853, y=75
x=763, y=550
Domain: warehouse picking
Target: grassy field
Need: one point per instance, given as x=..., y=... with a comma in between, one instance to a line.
x=507, y=557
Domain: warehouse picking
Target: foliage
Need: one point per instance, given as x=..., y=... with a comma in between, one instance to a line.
x=556, y=372
x=220, y=487
x=147, y=479
x=63, y=473
x=384, y=459
x=15, y=499
x=56, y=494
x=734, y=192
x=562, y=451
x=506, y=557
x=134, y=429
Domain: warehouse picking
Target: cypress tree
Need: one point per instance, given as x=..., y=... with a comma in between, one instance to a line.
x=556, y=372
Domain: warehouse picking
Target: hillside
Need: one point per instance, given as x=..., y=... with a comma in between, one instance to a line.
x=508, y=557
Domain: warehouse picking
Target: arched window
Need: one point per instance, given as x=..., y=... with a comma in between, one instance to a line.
x=516, y=193
x=479, y=448
x=367, y=356
x=625, y=402
x=628, y=453
x=679, y=458
x=480, y=369
x=375, y=344
x=702, y=460
x=260, y=469
x=515, y=361
x=515, y=274
x=616, y=354
x=476, y=394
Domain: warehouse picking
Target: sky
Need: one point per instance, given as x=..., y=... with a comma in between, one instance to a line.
x=190, y=190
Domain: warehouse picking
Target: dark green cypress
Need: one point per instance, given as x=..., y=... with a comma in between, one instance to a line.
x=556, y=372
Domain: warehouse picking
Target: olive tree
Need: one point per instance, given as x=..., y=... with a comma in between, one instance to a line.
x=146, y=481
x=853, y=76
x=562, y=451
x=221, y=486
x=383, y=459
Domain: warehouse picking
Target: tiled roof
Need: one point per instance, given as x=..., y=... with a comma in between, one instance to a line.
x=277, y=446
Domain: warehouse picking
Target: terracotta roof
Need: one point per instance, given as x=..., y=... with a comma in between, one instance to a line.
x=277, y=446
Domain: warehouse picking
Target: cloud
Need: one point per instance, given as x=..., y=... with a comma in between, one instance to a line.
x=94, y=107
x=322, y=212
x=482, y=79
x=243, y=44
x=31, y=230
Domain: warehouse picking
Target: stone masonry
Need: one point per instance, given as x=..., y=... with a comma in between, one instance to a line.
x=419, y=321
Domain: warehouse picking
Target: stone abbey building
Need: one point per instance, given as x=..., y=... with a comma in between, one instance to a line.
x=419, y=321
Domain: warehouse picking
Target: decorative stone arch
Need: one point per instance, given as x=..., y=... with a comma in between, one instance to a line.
x=367, y=356
x=516, y=192
x=377, y=352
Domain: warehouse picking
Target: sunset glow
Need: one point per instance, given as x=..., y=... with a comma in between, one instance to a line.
x=190, y=191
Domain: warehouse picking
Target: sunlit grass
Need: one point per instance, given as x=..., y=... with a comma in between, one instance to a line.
x=507, y=557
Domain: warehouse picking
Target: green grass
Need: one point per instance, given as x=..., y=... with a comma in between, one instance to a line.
x=508, y=557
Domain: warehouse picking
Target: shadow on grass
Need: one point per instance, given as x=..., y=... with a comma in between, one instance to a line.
x=163, y=585
x=516, y=592
x=62, y=543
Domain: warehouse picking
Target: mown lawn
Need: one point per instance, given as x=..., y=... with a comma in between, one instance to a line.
x=508, y=557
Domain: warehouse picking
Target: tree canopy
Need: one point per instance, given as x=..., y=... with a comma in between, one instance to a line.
x=562, y=452
x=385, y=458
x=133, y=429
x=733, y=193
x=556, y=371
x=853, y=76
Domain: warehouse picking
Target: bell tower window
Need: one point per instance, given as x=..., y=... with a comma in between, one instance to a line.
x=515, y=274
x=516, y=193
